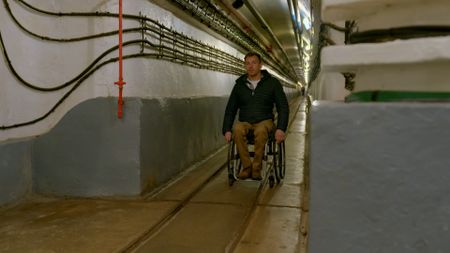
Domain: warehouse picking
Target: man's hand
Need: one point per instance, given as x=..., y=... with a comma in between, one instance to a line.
x=279, y=135
x=228, y=136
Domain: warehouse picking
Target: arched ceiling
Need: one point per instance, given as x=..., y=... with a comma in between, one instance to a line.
x=282, y=27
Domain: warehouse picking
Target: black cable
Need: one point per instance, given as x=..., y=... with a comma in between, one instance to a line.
x=171, y=57
x=87, y=14
x=64, y=85
x=131, y=42
x=218, y=54
x=66, y=95
x=228, y=65
x=220, y=23
x=89, y=73
x=231, y=58
x=231, y=32
x=76, y=14
x=336, y=27
x=409, y=32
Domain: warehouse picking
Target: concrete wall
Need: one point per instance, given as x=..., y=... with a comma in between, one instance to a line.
x=92, y=153
x=172, y=118
x=379, y=178
x=47, y=64
x=327, y=85
x=15, y=171
x=415, y=64
x=175, y=133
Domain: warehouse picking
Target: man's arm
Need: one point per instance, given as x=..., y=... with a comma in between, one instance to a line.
x=279, y=136
x=228, y=136
x=282, y=107
x=283, y=112
x=230, y=113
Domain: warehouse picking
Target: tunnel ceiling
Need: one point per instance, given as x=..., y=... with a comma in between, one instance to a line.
x=279, y=24
x=271, y=22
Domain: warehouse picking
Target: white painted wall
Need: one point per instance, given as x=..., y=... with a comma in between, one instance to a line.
x=400, y=65
x=411, y=65
x=407, y=14
x=330, y=85
x=46, y=64
x=379, y=176
x=333, y=10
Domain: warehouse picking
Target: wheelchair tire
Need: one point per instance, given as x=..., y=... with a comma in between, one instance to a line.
x=281, y=160
x=230, y=158
x=231, y=179
x=271, y=181
x=233, y=163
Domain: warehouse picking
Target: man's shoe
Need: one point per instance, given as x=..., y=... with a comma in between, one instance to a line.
x=256, y=174
x=245, y=173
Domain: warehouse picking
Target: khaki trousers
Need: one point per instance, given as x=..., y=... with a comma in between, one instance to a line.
x=261, y=131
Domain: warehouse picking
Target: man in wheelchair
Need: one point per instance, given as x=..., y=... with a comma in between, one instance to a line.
x=254, y=95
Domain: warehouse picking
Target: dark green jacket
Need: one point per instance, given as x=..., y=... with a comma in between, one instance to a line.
x=257, y=105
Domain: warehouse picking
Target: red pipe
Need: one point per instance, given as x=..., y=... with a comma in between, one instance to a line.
x=120, y=82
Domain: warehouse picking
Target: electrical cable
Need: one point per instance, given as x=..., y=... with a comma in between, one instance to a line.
x=336, y=27
x=158, y=30
x=409, y=32
x=66, y=95
x=173, y=46
x=57, y=87
x=230, y=31
x=93, y=70
x=175, y=51
x=5, y=2
x=152, y=28
x=205, y=11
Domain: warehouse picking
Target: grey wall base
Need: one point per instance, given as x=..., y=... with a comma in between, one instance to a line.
x=15, y=171
x=92, y=153
x=380, y=178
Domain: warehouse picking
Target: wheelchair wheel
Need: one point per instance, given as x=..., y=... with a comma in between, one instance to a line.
x=276, y=154
x=271, y=181
x=281, y=160
x=231, y=163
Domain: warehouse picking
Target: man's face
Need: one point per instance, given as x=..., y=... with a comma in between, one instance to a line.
x=253, y=65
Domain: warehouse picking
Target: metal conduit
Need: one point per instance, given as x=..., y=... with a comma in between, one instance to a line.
x=266, y=27
x=407, y=32
x=206, y=12
x=297, y=31
x=120, y=82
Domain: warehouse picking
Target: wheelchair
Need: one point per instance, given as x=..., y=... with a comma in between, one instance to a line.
x=274, y=159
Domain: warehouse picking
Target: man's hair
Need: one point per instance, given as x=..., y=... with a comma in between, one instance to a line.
x=253, y=54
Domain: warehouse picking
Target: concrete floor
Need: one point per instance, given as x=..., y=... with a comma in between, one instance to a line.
x=217, y=218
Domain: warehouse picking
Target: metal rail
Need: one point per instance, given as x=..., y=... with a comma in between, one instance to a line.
x=141, y=240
